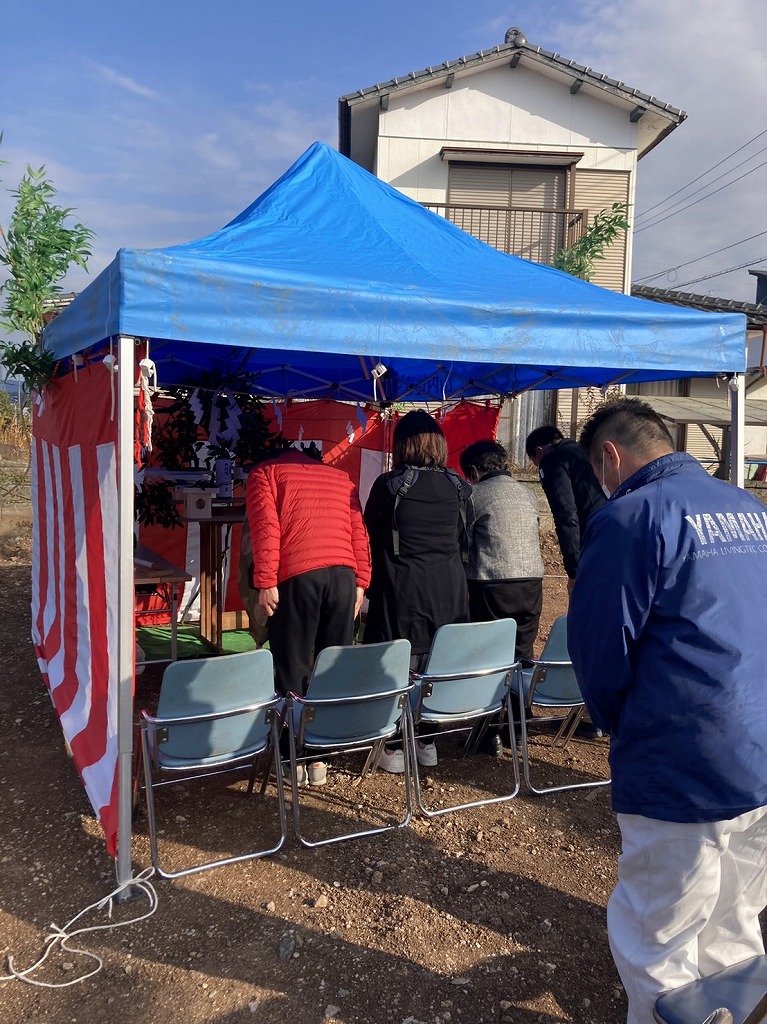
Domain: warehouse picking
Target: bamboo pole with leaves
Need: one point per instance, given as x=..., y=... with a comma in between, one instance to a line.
x=578, y=259
x=38, y=248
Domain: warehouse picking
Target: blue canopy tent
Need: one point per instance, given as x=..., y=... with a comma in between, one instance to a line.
x=332, y=271
x=334, y=284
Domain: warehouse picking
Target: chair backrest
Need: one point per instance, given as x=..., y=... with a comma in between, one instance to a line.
x=560, y=682
x=357, y=671
x=740, y=987
x=463, y=648
x=215, y=685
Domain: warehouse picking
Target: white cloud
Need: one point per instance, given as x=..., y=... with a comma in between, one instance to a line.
x=126, y=82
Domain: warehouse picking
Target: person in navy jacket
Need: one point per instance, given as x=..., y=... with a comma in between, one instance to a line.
x=668, y=636
x=570, y=487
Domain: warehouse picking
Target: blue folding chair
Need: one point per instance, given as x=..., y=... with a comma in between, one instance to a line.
x=356, y=699
x=734, y=995
x=214, y=715
x=550, y=684
x=465, y=683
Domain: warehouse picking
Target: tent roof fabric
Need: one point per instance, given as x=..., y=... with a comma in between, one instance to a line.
x=332, y=272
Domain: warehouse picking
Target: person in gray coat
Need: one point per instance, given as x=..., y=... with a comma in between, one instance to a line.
x=505, y=566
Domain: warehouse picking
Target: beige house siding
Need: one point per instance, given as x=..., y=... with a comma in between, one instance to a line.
x=694, y=439
x=596, y=191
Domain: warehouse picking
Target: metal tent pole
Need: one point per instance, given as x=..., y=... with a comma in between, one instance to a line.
x=125, y=605
x=738, y=429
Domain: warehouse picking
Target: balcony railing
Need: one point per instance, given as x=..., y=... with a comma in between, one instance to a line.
x=533, y=234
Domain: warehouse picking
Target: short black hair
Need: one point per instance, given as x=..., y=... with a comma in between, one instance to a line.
x=541, y=437
x=485, y=456
x=629, y=421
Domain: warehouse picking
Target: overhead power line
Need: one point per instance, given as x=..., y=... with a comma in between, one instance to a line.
x=670, y=270
x=734, y=181
x=667, y=213
x=721, y=273
x=724, y=160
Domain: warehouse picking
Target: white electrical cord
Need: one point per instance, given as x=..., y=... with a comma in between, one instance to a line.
x=62, y=936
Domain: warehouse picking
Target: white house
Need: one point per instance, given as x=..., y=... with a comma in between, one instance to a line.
x=520, y=147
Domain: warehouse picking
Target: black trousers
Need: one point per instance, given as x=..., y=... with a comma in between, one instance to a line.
x=316, y=610
x=521, y=600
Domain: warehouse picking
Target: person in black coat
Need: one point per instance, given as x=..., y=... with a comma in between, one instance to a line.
x=416, y=520
x=571, y=489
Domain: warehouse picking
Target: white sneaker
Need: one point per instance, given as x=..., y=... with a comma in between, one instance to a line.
x=391, y=761
x=318, y=773
x=426, y=754
x=302, y=778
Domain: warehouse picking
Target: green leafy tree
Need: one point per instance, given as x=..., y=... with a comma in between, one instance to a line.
x=579, y=258
x=38, y=248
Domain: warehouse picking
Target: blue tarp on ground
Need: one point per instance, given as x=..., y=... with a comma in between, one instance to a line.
x=331, y=271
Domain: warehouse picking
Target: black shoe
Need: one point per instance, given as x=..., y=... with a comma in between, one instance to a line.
x=588, y=731
x=491, y=744
x=504, y=734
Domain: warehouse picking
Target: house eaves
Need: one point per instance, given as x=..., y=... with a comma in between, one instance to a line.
x=516, y=51
x=755, y=314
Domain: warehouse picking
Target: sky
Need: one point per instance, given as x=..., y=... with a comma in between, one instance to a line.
x=159, y=122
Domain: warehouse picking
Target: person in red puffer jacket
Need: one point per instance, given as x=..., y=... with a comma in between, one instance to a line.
x=311, y=559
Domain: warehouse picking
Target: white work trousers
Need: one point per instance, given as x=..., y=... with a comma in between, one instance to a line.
x=687, y=902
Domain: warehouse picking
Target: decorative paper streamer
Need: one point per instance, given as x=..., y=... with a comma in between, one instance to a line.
x=196, y=406
x=111, y=364
x=148, y=371
x=362, y=418
x=214, y=427
x=277, y=414
x=233, y=421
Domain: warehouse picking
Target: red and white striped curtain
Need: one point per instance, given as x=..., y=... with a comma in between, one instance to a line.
x=74, y=574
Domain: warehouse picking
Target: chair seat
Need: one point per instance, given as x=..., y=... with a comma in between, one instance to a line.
x=357, y=697
x=214, y=715
x=244, y=754
x=739, y=988
x=541, y=697
x=542, y=701
x=318, y=739
x=550, y=683
x=436, y=716
x=463, y=686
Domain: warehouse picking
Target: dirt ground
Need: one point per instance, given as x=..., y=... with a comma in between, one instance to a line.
x=488, y=915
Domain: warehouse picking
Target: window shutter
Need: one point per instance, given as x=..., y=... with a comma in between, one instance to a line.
x=523, y=193
x=481, y=186
x=535, y=235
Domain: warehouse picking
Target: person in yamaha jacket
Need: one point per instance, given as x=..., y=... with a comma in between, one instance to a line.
x=667, y=636
x=570, y=487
